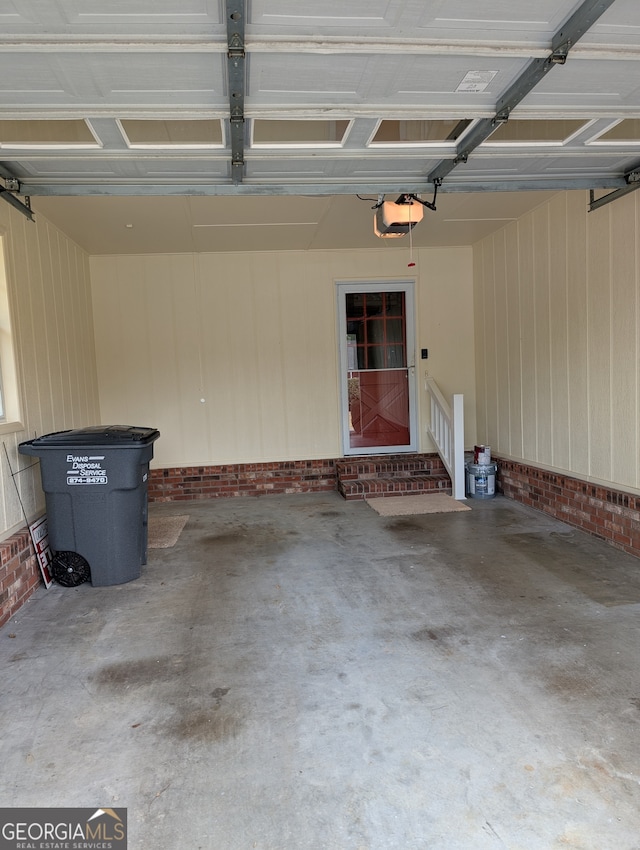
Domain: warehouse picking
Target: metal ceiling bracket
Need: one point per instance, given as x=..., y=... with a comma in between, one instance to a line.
x=573, y=29
x=633, y=183
x=6, y=192
x=236, y=68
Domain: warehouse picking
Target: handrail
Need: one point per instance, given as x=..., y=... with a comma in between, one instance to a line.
x=447, y=431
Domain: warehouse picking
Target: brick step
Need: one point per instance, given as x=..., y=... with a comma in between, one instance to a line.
x=389, y=466
x=405, y=485
x=391, y=475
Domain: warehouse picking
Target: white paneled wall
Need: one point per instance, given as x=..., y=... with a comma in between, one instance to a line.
x=254, y=335
x=557, y=309
x=52, y=321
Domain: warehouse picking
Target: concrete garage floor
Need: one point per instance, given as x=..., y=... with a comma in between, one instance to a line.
x=299, y=673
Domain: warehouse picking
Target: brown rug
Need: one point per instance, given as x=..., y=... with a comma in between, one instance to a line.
x=423, y=503
x=164, y=531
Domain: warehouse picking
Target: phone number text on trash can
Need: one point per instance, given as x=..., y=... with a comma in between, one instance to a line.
x=86, y=469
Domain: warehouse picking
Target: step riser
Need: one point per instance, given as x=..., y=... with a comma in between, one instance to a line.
x=363, y=488
x=384, y=468
x=359, y=492
x=391, y=473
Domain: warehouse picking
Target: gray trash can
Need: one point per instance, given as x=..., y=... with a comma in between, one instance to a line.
x=95, y=482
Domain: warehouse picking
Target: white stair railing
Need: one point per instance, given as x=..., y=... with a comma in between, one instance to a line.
x=447, y=432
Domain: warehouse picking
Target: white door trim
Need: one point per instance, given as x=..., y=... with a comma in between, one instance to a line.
x=344, y=287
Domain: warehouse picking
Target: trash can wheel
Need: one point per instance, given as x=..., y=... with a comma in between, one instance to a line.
x=70, y=569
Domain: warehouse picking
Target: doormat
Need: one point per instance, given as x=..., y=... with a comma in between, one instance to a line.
x=423, y=503
x=164, y=531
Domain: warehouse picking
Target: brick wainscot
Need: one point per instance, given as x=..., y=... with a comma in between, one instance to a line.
x=609, y=514
x=19, y=574
x=241, y=479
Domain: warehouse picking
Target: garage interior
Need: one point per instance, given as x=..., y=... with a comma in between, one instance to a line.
x=184, y=188
x=299, y=672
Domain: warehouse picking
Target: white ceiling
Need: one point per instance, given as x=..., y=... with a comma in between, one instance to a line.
x=356, y=69
x=132, y=225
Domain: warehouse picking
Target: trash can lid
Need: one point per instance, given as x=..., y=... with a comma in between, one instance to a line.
x=99, y=435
